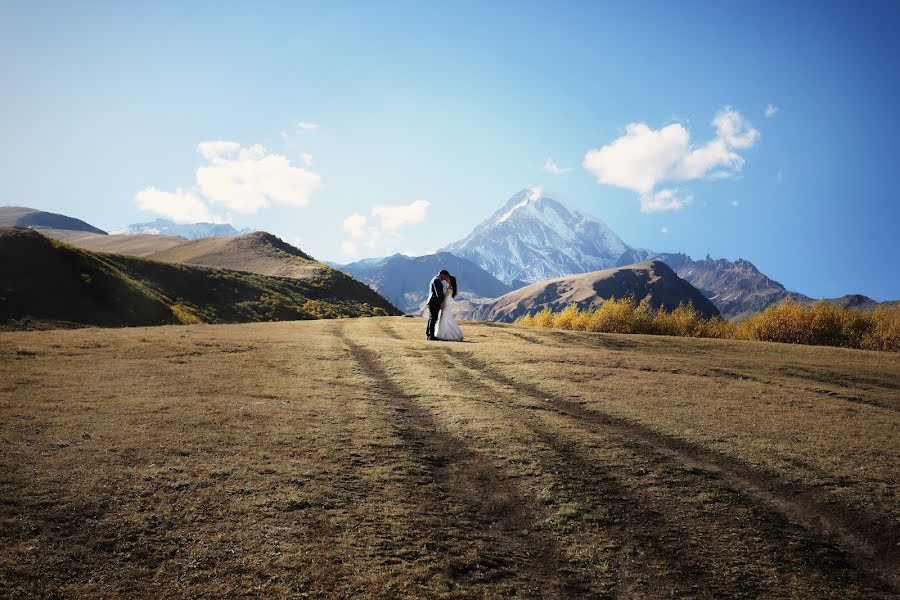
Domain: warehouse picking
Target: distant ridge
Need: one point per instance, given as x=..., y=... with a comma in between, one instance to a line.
x=190, y=231
x=589, y=290
x=44, y=280
x=404, y=279
x=21, y=216
x=737, y=288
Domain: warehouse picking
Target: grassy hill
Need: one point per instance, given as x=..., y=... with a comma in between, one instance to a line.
x=46, y=280
x=348, y=458
x=592, y=289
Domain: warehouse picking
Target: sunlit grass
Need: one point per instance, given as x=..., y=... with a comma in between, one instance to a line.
x=820, y=324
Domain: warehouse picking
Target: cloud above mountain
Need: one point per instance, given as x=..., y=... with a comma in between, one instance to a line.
x=643, y=158
x=247, y=179
x=390, y=219
x=180, y=205
x=235, y=178
x=551, y=167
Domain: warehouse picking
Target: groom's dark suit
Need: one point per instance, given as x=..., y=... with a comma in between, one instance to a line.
x=435, y=299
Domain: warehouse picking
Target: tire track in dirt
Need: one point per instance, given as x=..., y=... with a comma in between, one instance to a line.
x=667, y=567
x=874, y=547
x=390, y=331
x=627, y=517
x=504, y=515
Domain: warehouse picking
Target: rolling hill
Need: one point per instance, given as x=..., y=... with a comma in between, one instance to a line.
x=404, y=279
x=143, y=244
x=21, y=216
x=592, y=289
x=258, y=252
x=45, y=280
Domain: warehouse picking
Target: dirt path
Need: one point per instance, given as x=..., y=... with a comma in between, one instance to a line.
x=499, y=510
x=873, y=547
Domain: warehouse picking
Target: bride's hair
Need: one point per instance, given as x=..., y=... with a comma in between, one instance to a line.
x=453, y=286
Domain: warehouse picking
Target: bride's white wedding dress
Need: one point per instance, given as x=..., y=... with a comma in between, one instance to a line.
x=447, y=329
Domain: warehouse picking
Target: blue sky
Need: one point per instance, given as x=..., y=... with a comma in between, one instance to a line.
x=419, y=120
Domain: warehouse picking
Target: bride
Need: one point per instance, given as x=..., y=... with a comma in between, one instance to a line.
x=447, y=328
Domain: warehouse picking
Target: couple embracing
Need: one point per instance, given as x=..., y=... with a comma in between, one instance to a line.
x=441, y=321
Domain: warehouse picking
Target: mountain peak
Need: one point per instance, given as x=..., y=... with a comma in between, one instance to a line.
x=534, y=237
x=517, y=201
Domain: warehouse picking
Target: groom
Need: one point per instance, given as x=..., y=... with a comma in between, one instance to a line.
x=435, y=300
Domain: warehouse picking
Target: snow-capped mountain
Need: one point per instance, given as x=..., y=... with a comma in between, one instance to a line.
x=534, y=237
x=191, y=231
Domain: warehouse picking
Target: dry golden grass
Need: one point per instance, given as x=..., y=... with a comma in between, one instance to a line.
x=351, y=459
x=820, y=324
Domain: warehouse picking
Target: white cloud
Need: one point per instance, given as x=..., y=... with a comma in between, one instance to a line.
x=732, y=127
x=771, y=111
x=390, y=219
x=644, y=157
x=182, y=206
x=247, y=179
x=640, y=158
x=241, y=179
x=307, y=158
x=394, y=217
x=551, y=167
x=306, y=125
x=664, y=200
x=355, y=225
x=210, y=150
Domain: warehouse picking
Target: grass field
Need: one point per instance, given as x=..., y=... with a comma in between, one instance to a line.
x=349, y=458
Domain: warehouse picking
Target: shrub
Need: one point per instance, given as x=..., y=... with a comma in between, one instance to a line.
x=544, y=318
x=787, y=322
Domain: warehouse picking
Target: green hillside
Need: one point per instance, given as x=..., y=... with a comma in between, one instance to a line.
x=47, y=280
